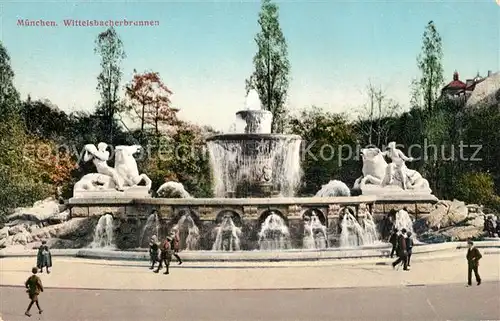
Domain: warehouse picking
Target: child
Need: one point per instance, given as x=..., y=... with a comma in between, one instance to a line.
x=34, y=286
x=44, y=258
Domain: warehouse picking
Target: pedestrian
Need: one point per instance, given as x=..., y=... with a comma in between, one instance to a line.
x=176, y=243
x=154, y=247
x=34, y=286
x=44, y=257
x=473, y=257
x=165, y=255
x=401, y=251
x=490, y=229
x=409, y=247
x=393, y=239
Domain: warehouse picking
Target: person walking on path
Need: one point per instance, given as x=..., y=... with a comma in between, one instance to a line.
x=165, y=256
x=409, y=247
x=44, y=257
x=34, y=286
x=473, y=257
x=401, y=251
x=154, y=249
x=393, y=239
x=176, y=243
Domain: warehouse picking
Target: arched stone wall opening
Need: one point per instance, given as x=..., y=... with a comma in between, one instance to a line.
x=187, y=224
x=266, y=213
x=235, y=216
x=318, y=212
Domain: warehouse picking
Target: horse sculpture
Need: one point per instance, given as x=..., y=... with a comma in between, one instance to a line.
x=126, y=166
x=118, y=178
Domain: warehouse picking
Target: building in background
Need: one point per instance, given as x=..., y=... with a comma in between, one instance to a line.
x=459, y=90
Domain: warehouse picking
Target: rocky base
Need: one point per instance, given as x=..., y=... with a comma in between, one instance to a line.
x=46, y=220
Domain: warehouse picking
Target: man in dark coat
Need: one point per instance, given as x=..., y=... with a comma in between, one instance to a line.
x=44, y=257
x=473, y=256
x=393, y=239
x=154, y=248
x=401, y=250
x=165, y=256
x=409, y=247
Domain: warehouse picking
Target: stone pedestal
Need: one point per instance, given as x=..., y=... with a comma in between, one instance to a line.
x=131, y=192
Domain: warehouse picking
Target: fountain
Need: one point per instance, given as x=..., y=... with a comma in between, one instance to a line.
x=255, y=162
x=354, y=234
x=189, y=234
x=274, y=234
x=370, y=227
x=315, y=235
x=404, y=221
x=227, y=235
x=152, y=227
x=255, y=177
x=103, y=233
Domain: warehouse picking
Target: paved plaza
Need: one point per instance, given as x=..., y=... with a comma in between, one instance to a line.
x=367, y=289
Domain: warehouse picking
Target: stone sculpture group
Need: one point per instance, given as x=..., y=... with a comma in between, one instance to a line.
x=380, y=176
x=118, y=180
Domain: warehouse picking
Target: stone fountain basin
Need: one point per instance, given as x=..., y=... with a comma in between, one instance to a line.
x=374, y=251
x=252, y=137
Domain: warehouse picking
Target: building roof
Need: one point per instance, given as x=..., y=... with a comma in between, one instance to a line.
x=455, y=84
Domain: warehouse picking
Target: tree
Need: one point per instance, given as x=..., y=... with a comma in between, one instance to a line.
x=17, y=178
x=9, y=97
x=329, y=150
x=377, y=117
x=271, y=76
x=183, y=158
x=150, y=100
x=426, y=89
x=478, y=188
x=45, y=120
x=110, y=47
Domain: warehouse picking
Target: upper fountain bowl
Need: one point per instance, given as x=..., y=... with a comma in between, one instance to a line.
x=257, y=121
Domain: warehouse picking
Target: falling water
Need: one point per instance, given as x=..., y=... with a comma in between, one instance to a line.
x=274, y=234
x=252, y=101
x=103, y=233
x=404, y=221
x=227, y=236
x=315, y=235
x=234, y=161
x=152, y=227
x=334, y=188
x=189, y=233
x=371, y=233
x=252, y=161
x=353, y=234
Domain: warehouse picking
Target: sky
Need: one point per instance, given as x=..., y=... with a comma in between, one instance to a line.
x=203, y=50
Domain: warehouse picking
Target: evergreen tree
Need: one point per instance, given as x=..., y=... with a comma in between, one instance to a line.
x=9, y=97
x=426, y=89
x=110, y=47
x=272, y=68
